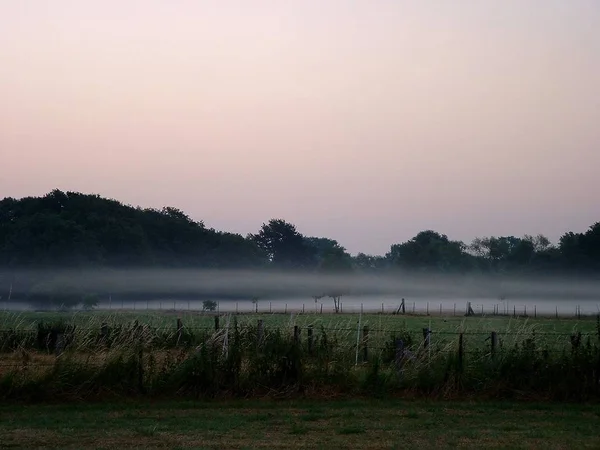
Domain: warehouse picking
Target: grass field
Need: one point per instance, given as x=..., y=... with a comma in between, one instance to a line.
x=484, y=324
x=336, y=424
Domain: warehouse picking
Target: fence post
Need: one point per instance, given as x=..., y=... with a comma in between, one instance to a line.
x=454, y=312
x=399, y=357
x=104, y=333
x=494, y=340
x=514, y=311
x=460, y=352
x=470, y=311
x=403, y=304
x=556, y=311
x=365, y=343
x=302, y=308
x=310, y=339
x=426, y=337
x=382, y=308
x=296, y=334
x=216, y=323
x=179, y=330
x=270, y=307
x=440, y=309
x=321, y=308
x=535, y=311
x=260, y=332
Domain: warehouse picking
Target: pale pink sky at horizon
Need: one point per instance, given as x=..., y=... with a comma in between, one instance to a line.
x=366, y=122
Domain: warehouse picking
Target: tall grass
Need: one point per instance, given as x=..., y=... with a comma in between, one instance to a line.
x=62, y=361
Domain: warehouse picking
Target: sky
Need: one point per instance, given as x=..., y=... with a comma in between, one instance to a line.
x=363, y=121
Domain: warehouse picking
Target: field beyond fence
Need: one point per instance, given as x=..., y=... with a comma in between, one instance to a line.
x=87, y=355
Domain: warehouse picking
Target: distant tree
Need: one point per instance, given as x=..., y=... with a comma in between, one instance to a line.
x=89, y=301
x=209, y=305
x=429, y=250
x=368, y=263
x=284, y=246
x=336, y=260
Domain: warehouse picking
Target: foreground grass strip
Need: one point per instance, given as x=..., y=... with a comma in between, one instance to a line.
x=301, y=424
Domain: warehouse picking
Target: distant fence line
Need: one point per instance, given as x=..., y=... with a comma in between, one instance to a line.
x=428, y=308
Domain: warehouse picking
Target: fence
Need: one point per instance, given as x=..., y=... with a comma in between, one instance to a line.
x=364, y=338
x=400, y=306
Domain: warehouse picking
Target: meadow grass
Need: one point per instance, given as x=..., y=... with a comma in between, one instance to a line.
x=192, y=320
x=537, y=358
x=341, y=423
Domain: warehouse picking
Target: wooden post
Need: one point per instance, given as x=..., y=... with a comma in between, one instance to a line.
x=256, y=307
x=365, y=343
x=403, y=304
x=426, y=337
x=399, y=357
x=514, y=311
x=310, y=339
x=104, y=333
x=302, y=308
x=260, y=332
x=440, y=309
x=321, y=308
x=296, y=334
x=460, y=352
x=216, y=323
x=494, y=342
x=270, y=307
x=179, y=330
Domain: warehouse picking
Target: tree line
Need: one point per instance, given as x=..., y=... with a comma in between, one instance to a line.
x=70, y=229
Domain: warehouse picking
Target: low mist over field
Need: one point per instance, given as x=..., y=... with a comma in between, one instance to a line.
x=266, y=284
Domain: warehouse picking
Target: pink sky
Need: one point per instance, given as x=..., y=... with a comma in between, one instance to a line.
x=363, y=121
